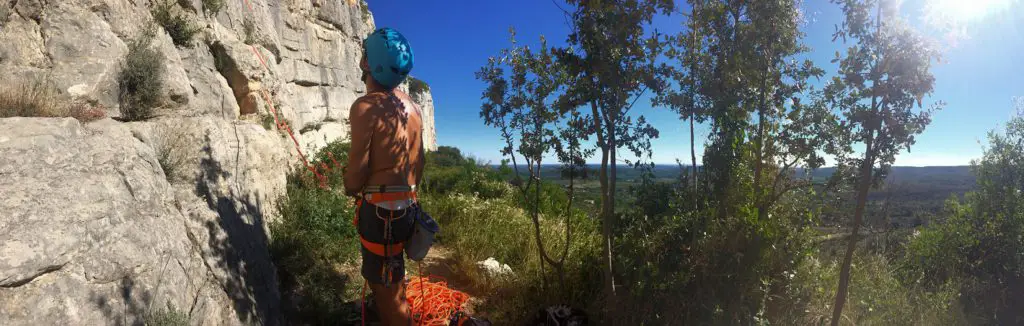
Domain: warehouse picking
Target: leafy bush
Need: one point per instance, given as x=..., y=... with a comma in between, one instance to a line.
x=979, y=245
x=141, y=80
x=249, y=28
x=417, y=87
x=447, y=171
x=181, y=29
x=312, y=238
x=213, y=6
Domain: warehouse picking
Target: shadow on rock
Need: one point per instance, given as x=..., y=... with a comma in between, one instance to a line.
x=239, y=241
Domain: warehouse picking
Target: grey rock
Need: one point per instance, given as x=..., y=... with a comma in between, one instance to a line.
x=96, y=226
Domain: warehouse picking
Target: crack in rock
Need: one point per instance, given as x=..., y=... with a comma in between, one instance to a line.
x=30, y=278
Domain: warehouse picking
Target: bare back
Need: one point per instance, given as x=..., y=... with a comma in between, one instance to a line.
x=387, y=142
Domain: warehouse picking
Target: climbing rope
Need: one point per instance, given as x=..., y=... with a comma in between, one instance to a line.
x=432, y=302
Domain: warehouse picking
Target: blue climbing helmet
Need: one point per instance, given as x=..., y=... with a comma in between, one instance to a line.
x=389, y=56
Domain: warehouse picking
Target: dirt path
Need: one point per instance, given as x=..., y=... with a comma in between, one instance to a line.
x=440, y=265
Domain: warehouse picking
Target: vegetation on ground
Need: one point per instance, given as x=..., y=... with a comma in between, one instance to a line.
x=313, y=239
x=141, y=80
x=745, y=236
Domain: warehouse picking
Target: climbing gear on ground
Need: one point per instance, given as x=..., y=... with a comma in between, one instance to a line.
x=432, y=302
x=389, y=56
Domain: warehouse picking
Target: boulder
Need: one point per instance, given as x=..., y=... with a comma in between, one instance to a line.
x=492, y=267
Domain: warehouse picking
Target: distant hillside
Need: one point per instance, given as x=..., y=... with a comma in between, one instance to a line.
x=911, y=196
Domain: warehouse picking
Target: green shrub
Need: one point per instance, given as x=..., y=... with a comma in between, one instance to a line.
x=980, y=243
x=249, y=28
x=417, y=87
x=311, y=127
x=312, y=238
x=181, y=29
x=267, y=121
x=141, y=80
x=213, y=6
x=167, y=317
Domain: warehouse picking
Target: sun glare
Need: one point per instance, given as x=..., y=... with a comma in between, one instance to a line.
x=964, y=11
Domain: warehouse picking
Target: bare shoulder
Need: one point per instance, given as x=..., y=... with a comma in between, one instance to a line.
x=408, y=102
x=365, y=104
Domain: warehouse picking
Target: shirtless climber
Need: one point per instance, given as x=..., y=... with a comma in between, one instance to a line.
x=385, y=164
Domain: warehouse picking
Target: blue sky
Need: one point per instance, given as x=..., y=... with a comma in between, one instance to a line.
x=980, y=76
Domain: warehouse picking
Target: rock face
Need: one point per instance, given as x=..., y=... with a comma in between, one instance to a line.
x=94, y=233
x=300, y=56
x=110, y=222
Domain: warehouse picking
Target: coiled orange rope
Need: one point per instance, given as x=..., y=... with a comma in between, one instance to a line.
x=433, y=303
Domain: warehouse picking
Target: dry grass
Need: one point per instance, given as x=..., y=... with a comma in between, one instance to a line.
x=174, y=150
x=38, y=97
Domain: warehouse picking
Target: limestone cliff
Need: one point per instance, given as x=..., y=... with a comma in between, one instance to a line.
x=95, y=227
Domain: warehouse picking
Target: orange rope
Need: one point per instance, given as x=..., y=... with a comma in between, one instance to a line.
x=433, y=303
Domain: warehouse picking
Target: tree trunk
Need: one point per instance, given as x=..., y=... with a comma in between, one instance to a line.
x=693, y=163
x=606, y=228
x=536, y=228
x=858, y=216
x=862, y=190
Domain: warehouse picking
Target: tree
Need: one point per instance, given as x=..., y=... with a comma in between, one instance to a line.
x=686, y=48
x=521, y=104
x=881, y=77
x=736, y=61
x=612, y=60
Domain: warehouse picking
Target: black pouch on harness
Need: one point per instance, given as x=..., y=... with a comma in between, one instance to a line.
x=422, y=235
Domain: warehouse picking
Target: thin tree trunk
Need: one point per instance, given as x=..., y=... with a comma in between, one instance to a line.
x=858, y=217
x=866, y=170
x=536, y=228
x=609, y=218
x=606, y=228
x=693, y=163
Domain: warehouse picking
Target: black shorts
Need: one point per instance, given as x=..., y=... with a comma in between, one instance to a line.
x=371, y=227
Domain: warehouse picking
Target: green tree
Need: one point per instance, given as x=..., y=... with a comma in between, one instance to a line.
x=612, y=59
x=881, y=78
x=979, y=245
x=521, y=104
x=736, y=59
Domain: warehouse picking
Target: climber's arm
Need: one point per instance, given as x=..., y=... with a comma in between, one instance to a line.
x=361, y=128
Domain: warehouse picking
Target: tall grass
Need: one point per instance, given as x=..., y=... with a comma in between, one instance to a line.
x=877, y=296
x=39, y=97
x=482, y=216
